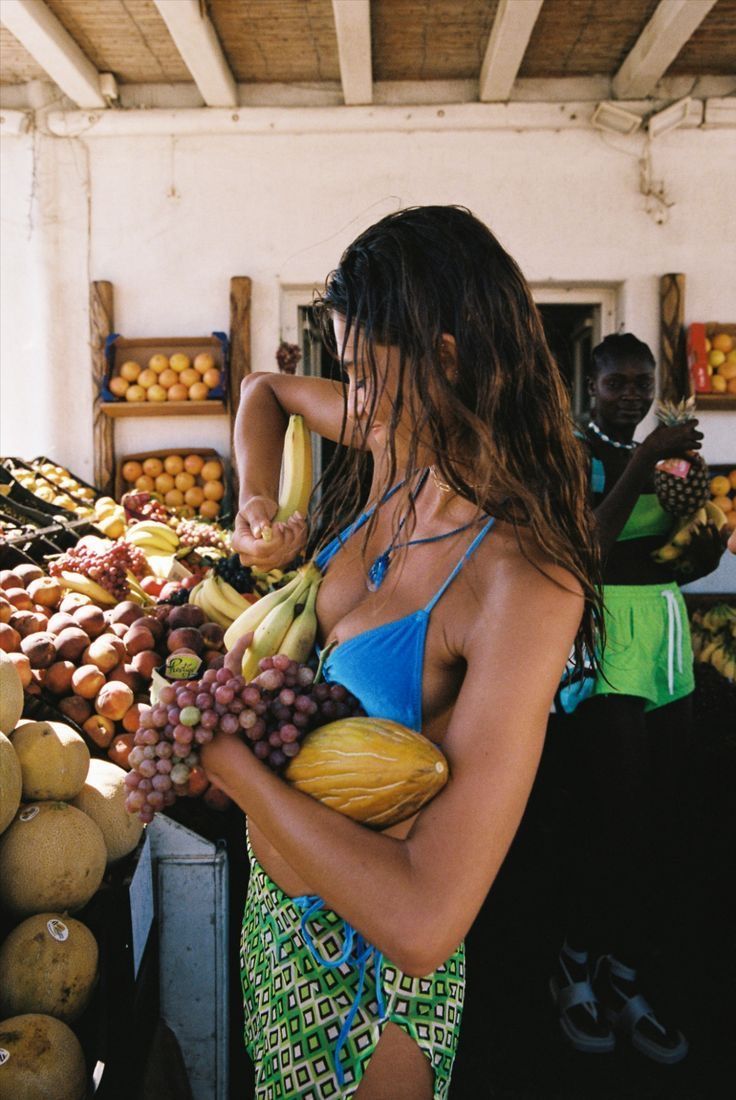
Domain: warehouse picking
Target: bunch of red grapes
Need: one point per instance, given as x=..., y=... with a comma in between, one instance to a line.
x=144, y=505
x=108, y=567
x=193, y=533
x=272, y=713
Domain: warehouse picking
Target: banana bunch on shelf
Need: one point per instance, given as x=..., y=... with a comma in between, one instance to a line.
x=157, y=541
x=284, y=621
x=676, y=547
x=220, y=602
x=714, y=638
x=109, y=517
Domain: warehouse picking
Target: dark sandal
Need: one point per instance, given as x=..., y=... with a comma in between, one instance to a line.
x=635, y=1008
x=568, y=996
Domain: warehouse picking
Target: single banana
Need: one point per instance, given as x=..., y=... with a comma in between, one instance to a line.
x=271, y=631
x=301, y=635
x=296, y=470
x=75, y=582
x=227, y=598
x=684, y=535
x=667, y=553
x=209, y=609
x=256, y=612
x=715, y=515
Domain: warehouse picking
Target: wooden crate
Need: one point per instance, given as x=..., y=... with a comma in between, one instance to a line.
x=206, y=452
x=119, y=350
x=697, y=333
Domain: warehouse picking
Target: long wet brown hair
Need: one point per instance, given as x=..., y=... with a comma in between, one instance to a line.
x=498, y=418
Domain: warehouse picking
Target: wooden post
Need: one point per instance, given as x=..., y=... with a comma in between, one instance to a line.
x=675, y=376
x=101, y=325
x=240, y=291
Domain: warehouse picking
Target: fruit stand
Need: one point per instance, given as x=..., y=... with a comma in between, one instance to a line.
x=116, y=851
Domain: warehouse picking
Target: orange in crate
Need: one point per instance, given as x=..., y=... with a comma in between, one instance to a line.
x=190, y=482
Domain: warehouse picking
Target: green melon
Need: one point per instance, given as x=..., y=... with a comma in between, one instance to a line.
x=11, y=783
x=48, y=964
x=103, y=798
x=52, y=858
x=53, y=760
x=11, y=694
x=40, y=1059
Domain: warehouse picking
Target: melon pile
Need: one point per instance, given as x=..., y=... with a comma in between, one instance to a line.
x=62, y=822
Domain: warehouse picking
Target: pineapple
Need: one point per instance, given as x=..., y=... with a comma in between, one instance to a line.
x=681, y=485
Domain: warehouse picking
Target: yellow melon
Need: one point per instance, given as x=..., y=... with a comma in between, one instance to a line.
x=371, y=769
x=48, y=964
x=11, y=694
x=103, y=798
x=40, y=1059
x=53, y=760
x=52, y=858
x=11, y=784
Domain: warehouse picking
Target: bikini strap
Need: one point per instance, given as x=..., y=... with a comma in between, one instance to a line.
x=468, y=554
x=327, y=553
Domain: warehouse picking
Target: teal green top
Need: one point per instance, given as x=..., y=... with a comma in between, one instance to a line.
x=647, y=518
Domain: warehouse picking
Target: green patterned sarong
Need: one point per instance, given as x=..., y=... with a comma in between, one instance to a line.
x=312, y=1021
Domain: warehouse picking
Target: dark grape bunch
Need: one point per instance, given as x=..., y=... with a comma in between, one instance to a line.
x=287, y=357
x=273, y=713
x=108, y=566
x=237, y=575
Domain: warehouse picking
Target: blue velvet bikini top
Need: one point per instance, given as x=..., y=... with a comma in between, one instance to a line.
x=383, y=666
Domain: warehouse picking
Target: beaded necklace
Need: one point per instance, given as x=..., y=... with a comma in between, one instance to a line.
x=613, y=442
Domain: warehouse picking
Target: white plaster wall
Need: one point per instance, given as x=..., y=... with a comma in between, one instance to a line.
x=169, y=221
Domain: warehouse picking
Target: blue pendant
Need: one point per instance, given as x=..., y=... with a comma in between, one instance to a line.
x=378, y=571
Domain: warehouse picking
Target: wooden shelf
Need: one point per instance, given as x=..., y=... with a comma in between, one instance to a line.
x=163, y=408
x=718, y=401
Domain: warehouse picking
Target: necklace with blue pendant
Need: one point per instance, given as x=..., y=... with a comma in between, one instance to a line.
x=379, y=568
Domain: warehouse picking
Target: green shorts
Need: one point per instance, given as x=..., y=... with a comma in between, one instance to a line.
x=306, y=1012
x=648, y=651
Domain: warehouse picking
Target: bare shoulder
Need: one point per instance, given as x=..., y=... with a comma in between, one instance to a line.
x=512, y=573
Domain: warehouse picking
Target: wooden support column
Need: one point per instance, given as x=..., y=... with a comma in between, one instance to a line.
x=673, y=355
x=240, y=364
x=101, y=325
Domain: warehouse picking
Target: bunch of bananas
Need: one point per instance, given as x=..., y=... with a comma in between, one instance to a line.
x=157, y=541
x=109, y=517
x=295, y=487
x=714, y=638
x=284, y=621
x=677, y=544
x=220, y=602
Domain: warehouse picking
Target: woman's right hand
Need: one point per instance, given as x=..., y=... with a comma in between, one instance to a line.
x=263, y=544
x=671, y=441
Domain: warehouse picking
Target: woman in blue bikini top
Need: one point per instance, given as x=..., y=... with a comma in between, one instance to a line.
x=453, y=601
x=397, y=692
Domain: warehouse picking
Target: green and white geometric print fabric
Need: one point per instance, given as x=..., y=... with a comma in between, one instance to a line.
x=295, y=1007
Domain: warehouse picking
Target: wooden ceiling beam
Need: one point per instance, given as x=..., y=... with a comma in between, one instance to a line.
x=507, y=43
x=673, y=22
x=196, y=40
x=353, y=27
x=47, y=41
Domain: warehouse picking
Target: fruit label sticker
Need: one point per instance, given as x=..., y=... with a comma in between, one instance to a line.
x=182, y=667
x=58, y=929
x=28, y=814
x=4, y=1056
x=678, y=467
